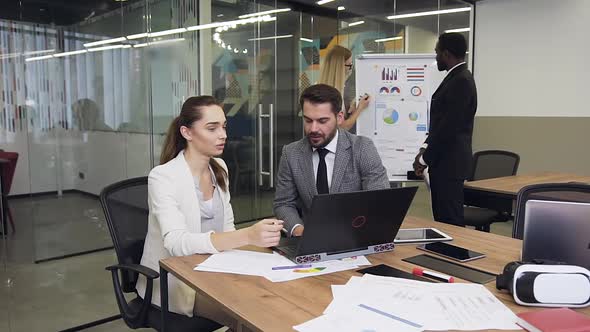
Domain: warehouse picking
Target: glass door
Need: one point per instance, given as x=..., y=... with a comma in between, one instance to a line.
x=243, y=78
x=277, y=76
x=254, y=72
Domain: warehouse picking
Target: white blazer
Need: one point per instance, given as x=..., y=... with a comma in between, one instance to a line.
x=174, y=228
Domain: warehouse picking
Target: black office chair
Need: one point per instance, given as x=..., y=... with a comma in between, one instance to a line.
x=486, y=165
x=126, y=211
x=565, y=192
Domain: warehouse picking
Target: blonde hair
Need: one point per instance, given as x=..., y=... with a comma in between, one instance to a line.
x=333, y=70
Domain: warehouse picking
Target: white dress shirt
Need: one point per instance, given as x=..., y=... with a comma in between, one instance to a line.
x=329, y=158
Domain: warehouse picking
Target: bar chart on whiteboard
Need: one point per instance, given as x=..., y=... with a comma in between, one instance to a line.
x=397, y=117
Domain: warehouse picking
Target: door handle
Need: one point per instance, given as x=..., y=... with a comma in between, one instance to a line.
x=262, y=172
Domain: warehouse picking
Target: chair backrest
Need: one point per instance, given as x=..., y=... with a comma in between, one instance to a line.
x=565, y=192
x=126, y=211
x=8, y=170
x=494, y=164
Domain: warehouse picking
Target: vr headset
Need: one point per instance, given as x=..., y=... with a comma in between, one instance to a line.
x=545, y=283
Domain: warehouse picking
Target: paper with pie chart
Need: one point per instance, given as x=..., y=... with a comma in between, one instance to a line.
x=401, y=87
x=261, y=264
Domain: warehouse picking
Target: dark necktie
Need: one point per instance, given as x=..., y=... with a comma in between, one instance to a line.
x=321, y=181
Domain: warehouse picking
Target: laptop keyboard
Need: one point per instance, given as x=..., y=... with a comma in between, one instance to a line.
x=290, y=250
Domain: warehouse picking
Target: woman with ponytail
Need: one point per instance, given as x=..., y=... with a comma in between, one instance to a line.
x=189, y=201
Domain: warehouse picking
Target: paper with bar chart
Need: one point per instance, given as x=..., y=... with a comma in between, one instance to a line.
x=397, y=118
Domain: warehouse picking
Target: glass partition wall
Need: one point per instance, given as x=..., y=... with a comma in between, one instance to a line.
x=88, y=104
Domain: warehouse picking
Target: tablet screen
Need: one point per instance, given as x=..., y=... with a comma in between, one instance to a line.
x=420, y=235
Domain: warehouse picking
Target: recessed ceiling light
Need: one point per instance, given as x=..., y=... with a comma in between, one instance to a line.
x=432, y=12
x=458, y=30
x=388, y=39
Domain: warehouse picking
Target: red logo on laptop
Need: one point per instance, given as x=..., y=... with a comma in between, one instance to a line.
x=359, y=221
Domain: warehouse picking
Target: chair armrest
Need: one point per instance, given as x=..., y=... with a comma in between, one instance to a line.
x=134, y=319
x=143, y=270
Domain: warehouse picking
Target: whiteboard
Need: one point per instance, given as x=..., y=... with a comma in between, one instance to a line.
x=397, y=118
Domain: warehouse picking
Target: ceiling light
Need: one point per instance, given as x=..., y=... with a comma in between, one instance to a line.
x=39, y=58
x=59, y=55
x=355, y=23
x=159, y=42
x=434, y=12
x=221, y=25
x=306, y=40
x=321, y=2
x=388, y=39
x=167, y=32
x=167, y=41
x=9, y=55
x=458, y=30
x=341, y=8
x=110, y=47
x=272, y=37
x=265, y=12
x=137, y=36
x=106, y=41
x=39, y=52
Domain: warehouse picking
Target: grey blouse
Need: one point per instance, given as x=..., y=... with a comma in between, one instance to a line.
x=211, y=210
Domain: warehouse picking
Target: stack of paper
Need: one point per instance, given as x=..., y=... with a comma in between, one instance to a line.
x=374, y=303
x=262, y=264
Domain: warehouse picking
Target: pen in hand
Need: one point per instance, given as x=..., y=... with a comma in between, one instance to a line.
x=284, y=230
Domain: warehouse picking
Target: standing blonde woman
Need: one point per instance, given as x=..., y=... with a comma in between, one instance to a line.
x=189, y=203
x=336, y=69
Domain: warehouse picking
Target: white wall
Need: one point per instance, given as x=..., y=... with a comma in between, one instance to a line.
x=531, y=58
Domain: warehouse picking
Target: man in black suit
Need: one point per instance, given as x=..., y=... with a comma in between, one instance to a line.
x=447, y=149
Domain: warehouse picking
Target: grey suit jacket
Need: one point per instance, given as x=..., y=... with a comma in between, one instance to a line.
x=357, y=166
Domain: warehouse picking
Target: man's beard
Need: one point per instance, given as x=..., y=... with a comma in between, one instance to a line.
x=326, y=141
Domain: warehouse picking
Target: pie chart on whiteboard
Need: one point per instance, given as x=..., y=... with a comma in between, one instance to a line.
x=390, y=116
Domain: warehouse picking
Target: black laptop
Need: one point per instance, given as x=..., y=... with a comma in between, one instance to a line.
x=349, y=224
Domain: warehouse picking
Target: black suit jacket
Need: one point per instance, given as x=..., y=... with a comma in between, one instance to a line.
x=452, y=112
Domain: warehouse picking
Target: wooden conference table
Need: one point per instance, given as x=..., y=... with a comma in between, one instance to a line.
x=499, y=193
x=260, y=305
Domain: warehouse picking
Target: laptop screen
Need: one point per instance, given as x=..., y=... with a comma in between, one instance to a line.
x=350, y=221
x=558, y=231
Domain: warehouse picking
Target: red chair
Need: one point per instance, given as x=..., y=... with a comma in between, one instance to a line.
x=8, y=170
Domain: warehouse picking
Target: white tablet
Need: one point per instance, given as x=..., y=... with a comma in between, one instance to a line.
x=420, y=235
